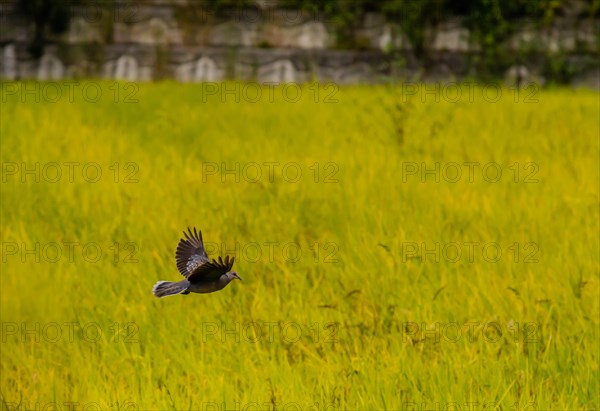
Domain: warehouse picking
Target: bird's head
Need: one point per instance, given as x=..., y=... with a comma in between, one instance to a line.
x=232, y=275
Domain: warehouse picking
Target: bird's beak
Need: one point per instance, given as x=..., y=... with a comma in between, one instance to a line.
x=239, y=278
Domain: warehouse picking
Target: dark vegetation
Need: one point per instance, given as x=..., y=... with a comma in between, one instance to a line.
x=491, y=23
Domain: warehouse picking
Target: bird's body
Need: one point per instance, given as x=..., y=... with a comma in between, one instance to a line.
x=202, y=276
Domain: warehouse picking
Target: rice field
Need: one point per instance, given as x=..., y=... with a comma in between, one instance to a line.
x=405, y=247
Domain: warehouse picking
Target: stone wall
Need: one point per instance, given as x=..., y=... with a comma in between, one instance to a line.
x=175, y=39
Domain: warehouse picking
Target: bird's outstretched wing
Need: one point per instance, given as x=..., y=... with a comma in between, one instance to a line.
x=211, y=270
x=190, y=252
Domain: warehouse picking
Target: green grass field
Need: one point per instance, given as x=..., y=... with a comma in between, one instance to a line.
x=367, y=284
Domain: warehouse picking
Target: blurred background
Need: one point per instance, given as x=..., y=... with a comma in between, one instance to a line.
x=413, y=231
x=519, y=41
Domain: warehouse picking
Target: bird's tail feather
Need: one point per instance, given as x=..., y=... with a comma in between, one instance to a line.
x=166, y=288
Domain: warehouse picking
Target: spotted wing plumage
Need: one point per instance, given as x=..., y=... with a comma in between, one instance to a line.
x=190, y=254
x=211, y=270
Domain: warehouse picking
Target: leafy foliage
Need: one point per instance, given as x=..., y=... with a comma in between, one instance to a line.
x=53, y=15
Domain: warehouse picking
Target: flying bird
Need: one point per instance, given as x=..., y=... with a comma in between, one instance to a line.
x=201, y=275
